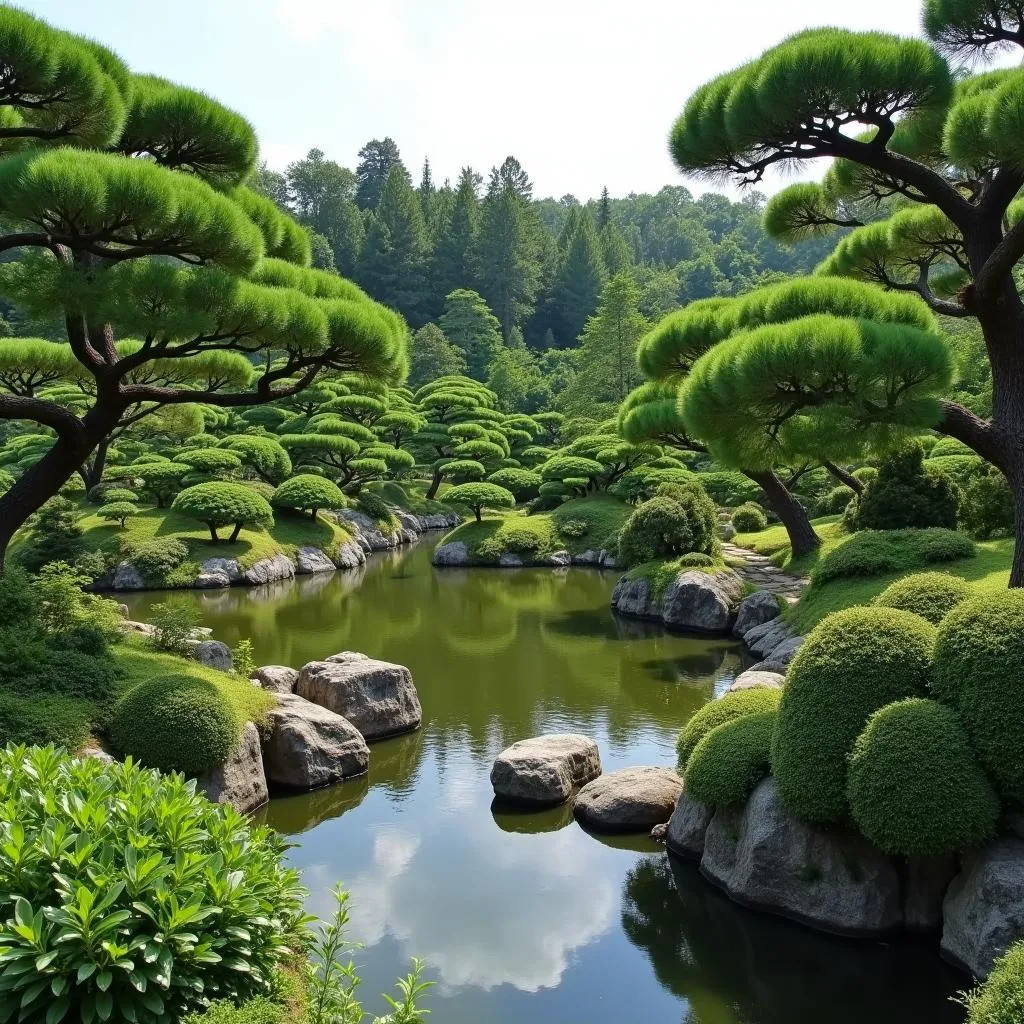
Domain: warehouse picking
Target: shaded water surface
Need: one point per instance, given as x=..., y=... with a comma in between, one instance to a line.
x=525, y=917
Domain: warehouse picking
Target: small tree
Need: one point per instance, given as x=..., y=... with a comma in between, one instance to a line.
x=118, y=512
x=264, y=456
x=308, y=493
x=476, y=496
x=163, y=480
x=224, y=504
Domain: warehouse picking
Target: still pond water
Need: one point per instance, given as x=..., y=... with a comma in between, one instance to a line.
x=525, y=917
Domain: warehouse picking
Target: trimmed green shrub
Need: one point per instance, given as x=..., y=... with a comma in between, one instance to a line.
x=915, y=787
x=878, y=552
x=835, y=501
x=978, y=659
x=932, y=595
x=574, y=528
x=128, y=896
x=115, y=494
x=156, y=558
x=162, y=480
x=374, y=506
x=211, y=461
x=523, y=483
x=695, y=560
x=669, y=526
x=263, y=455
x=176, y=722
x=512, y=538
x=749, y=518
x=727, y=708
x=260, y=1010
x=866, y=474
x=961, y=469
x=731, y=760
x=118, y=512
x=477, y=497
x=906, y=495
x=852, y=663
x=308, y=493
x=224, y=504
x=1000, y=1000
x=987, y=508
x=949, y=446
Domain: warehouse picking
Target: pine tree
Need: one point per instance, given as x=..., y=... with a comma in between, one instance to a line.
x=376, y=159
x=454, y=255
x=433, y=356
x=580, y=279
x=427, y=192
x=604, y=210
x=472, y=328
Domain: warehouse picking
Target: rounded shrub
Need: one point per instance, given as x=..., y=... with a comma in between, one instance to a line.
x=175, y=722
x=978, y=659
x=152, y=903
x=835, y=501
x=749, y=518
x=731, y=760
x=727, y=708
x=851, y=664
x=695, y=560
x=523, y=483
x=877, y=552
x=668, y=526
x=915, y=787
x=987, y=508
x=932, y=595
x=224, y=504
x=1000, y=1000
x=118, y=512
x=308, y=493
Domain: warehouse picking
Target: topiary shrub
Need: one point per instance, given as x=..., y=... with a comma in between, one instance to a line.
x=729, y=488
x=878, y=552
x=152, y=902
x=851, y=664
x=731, y=760
x=669, y=526
x=987, y=508
x=749, y=518
x=156, y=558
x=308, y=493
x=224, y=504
x=162, y=480
x=1000, y=1000
x=948, y=446
x=118, y=512
x=114, y=494
x=978, y=659
x=906, y=494
x=574, y=528
x=696, y=560
x=727, y=708
x=523, y=483
x=176, y=722
x=477, y=497
x=932, y=595
x=835, y=501
x=915, y=787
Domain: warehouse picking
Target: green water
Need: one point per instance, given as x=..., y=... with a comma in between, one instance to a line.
x=525, y=917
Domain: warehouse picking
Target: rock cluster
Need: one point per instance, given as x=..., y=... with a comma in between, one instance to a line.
x=696, y=601
x=456, y=554
x=760, y=626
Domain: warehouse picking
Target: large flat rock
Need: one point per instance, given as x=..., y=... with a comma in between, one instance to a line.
x=629, y=800
x=377, y=697
x=544, y=770
x=240, y=780
x=310, y=746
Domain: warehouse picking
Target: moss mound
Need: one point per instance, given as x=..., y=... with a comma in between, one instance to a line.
x=915, y=786
x=932, y=595
x=176, y=722
x=978, y=659
x=731, y=760
x=852, y=663
x=727, y=708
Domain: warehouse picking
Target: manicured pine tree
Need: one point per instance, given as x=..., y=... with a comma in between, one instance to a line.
x=947, y=144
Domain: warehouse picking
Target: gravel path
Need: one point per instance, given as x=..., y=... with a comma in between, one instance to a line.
x=759, y=572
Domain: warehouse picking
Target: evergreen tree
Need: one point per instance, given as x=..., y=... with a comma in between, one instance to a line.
x=376, y=159
x=580, y=279
x=315, y=186
x=427, y=192
x=433, y=356
x=616, y=250
x=473, y=329
x=454, y=255
x=604, y=210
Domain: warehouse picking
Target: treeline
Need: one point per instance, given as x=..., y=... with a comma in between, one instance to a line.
x=503, y=286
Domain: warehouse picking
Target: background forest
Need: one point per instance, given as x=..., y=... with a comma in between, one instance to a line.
x=542, y=299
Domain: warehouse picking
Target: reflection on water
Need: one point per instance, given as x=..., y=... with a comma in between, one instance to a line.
x=523, y=916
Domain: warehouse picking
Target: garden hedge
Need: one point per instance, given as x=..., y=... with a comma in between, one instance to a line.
x=749, y=518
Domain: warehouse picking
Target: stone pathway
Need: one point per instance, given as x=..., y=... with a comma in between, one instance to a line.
x=760, y=572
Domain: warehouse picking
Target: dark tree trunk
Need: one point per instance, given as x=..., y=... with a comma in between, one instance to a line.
x=845, y=478
x=234, y=533
x=214, y=539
x=791, y=513
x=92, y=472
x=435, y=483
x=477, y=513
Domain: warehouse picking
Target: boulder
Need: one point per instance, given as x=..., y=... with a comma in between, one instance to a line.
x=509, y=560
x=544, y=770
x=834, y=880
x=925, y=883
x=310, y=746
x=211, y=653
x=766, y=637
x=453, y=553
x=786, y=651
x=377, y=697
x=588, y=557
x=983, y=912
x=608, y=560
x=755, y=679
x=629, y=800
x=145, y=628
x=127, y=577
x=276, y=678
x=349, y=555
x=225, y=568
x=559, y=559
x=211, y=581
x=270, y=570
x=368, y=532
x=240, y=780
x=687, y=827
x=756, y=609
x=636, y=599
x=701, y=601
x=310, y=560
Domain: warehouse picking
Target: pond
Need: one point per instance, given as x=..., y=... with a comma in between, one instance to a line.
x=525, y=917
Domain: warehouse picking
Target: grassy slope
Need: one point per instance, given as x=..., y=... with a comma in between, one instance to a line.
x=988, y=570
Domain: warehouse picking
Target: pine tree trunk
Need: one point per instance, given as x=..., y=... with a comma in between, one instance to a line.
x=845, y=478
x=435, y=483
x=234, y=533
x=802, y=538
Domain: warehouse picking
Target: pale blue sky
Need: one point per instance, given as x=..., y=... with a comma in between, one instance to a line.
x=583, y=92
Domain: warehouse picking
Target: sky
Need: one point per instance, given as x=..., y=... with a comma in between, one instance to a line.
x=582, y=92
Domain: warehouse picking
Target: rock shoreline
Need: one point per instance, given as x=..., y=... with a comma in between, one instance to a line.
x=455, y=555
x=219, y=573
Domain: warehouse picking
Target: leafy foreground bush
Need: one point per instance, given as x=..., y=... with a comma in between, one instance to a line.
x=852, y=663
x=177, y=723
x=728, y=708
x=130, y=897
x=731, y=760
x=670, y=524
x=878, y=552
x=749, y=518
x=915, y=787
x=1001, y=999
x=932, y=595
x=978, y=659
